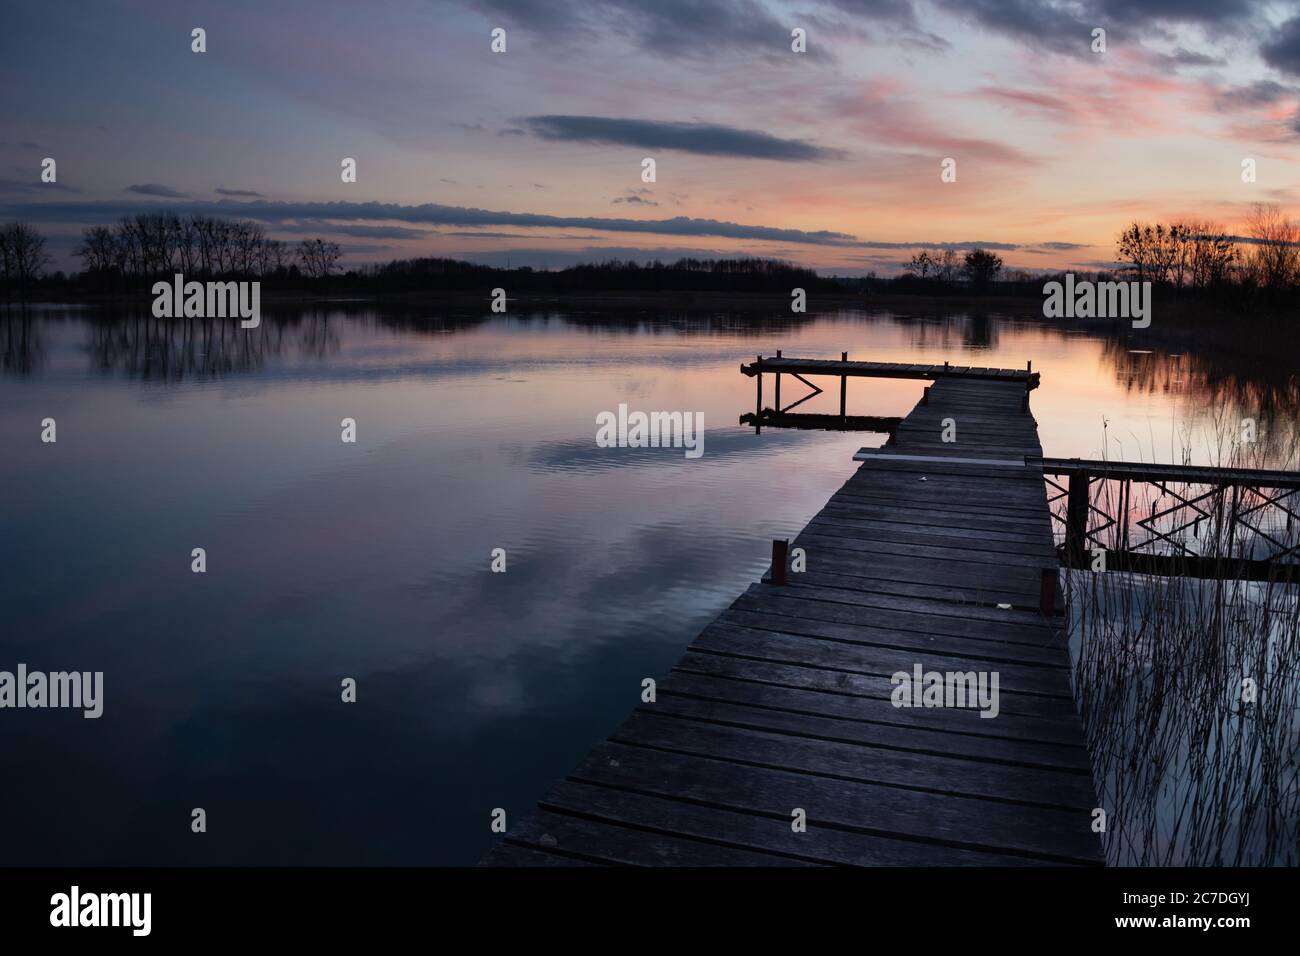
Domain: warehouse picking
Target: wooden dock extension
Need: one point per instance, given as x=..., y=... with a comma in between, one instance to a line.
x=935, y=556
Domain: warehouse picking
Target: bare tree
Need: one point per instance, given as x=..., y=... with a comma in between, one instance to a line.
x=1274, y=258
x=1205, y=255
x=921, y=265
x=223, y=259
x=185, y=242
x=279, y=253
x=1136, y=246
x=318, y=257
x=23, y=252
x=947, y=266
x=254, y=238
x=203, y=238
x=98, y=250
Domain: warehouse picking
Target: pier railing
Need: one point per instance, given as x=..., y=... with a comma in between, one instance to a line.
x=1175, y=519
x=783, y=416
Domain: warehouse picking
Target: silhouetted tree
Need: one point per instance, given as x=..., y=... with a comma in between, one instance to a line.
x=921, y=265
x=1274, y=258
x=22, y=253
x=947, y=267
x=318, y=257
x=981, y=268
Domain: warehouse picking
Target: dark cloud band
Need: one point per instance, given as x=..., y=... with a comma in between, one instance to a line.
x=426, y=214
x=702, y=138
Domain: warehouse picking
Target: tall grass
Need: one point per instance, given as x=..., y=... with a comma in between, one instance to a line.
x=1189, y=689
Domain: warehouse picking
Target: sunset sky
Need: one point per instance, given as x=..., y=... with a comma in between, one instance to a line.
x=829, y=158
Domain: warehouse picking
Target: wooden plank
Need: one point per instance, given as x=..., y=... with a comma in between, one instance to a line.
x=884, y=532
x=935, y=489
x=853, y=368
x=929, y=565
x=827, y=556
x=916, y=523
x=904, y=630
x=800, y=587
x=1051, y=717
x=758, y=832
x=914, y=642
x=591, y=840
x=837, y=537
x=942, y=504
x=932, y=488
x=934, y=516
x=813, y=650
x=881, y=734
x=978, y=594
x=960, y=821
x=788, y=750
x=975, y=527
x=948, y=730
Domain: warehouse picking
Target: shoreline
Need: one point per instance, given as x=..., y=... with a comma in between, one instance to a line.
x=740, y=300
x=1182, y=322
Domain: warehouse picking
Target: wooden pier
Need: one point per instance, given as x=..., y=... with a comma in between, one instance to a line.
x=937, y=553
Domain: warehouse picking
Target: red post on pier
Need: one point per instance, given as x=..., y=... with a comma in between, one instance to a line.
x=780, y=560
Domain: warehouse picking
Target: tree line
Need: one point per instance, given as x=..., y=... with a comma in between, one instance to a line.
x=153, y=244
x=614, y=275
x=1197, y=254
x=1184, y=254
x=978, y=268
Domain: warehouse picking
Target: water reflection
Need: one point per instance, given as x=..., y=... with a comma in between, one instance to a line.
x=371, y=560
x=1216, y=366
x=20, y=338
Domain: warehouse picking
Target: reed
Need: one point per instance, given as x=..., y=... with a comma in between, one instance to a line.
x=1190, y=770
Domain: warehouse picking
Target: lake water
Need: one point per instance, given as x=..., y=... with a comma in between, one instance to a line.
x=370, y=561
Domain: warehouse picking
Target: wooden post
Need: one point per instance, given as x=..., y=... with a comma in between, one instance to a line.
x=1029, y=364
x=1125, y=490
x=780, y=560
x=1047, y=592
x=945, y=366
x=758, y=404
x=1232, y=518
x=925, y=396
x=1076, y=520
x=844, y=388
x=777, y=400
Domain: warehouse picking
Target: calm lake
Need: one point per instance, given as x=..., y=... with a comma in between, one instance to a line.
x=371, y=561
